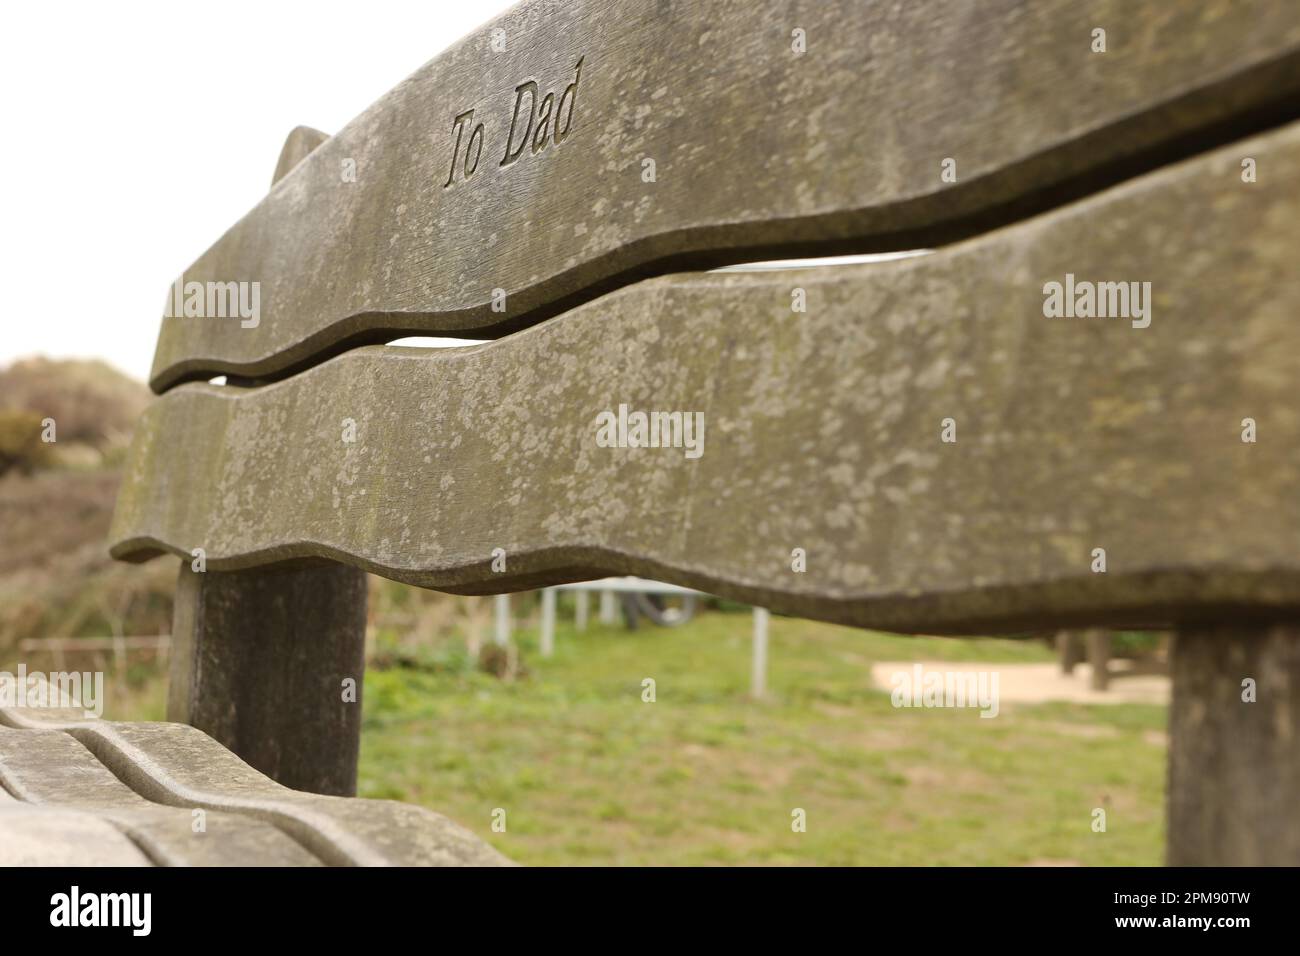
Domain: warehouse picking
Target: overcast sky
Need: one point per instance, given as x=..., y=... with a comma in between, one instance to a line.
x=135, y=134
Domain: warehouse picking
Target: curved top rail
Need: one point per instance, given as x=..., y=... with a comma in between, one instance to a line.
x=567, y=148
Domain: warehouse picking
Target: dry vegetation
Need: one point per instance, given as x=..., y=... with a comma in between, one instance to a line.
x=56, y=500
x=93, y=404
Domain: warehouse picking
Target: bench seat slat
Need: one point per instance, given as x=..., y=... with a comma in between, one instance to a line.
x=174, y=765
x=47, y=836
x=50, y=768
x=758, y=152
x=822, y=432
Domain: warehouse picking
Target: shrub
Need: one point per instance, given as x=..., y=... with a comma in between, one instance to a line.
x=21, y=447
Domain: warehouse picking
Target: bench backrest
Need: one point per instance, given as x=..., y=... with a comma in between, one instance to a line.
x=568, y=149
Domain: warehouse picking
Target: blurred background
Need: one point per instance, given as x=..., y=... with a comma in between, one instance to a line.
x=156, y=129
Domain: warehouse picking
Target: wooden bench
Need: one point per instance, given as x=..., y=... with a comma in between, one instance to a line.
x=127, y=794
x=560, y=181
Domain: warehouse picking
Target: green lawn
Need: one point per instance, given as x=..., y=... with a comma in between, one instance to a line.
x=588, y=773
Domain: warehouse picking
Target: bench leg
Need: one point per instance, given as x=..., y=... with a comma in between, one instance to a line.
x=259, y=659
x=1098, y=641
x=1069, y=645
x=1234, y=766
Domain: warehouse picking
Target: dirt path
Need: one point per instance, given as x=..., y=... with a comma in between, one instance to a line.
x=1040, y=683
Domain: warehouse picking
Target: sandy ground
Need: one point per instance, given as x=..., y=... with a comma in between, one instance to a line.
x=1039, y=683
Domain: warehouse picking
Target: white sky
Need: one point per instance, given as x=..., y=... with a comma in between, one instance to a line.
x=135, y=134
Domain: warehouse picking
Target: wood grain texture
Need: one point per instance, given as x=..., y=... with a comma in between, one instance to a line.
x=52, y=770
x=1233, y=772
x=758, y=152
x=823, y=432
x=41, y=836
x=177, y=766
x=258, y=662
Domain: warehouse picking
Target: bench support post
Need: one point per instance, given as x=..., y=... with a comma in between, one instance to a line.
x=259, y=661
x=1234, y=765
x=1069, y=645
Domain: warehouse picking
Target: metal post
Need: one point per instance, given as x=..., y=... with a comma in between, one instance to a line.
x=501, y=607
x=580, y=602
x=608, y=610
x=758, y=677
x=548, y=622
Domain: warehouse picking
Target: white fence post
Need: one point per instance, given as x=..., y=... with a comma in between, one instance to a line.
x=608, y=613
x=758, y=676
x=501, y=605
x=580, y=610
x=548, y=622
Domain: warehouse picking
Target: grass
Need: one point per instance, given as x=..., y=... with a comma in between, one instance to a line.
x=588, y=773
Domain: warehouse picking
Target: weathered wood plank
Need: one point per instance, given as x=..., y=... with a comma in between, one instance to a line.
x=1233, y=726
x=179, y=766
x=824, y=431
x=758, y=151
x=42, y=836
x=52, y=770
x=298, y=145
x=259, y=661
